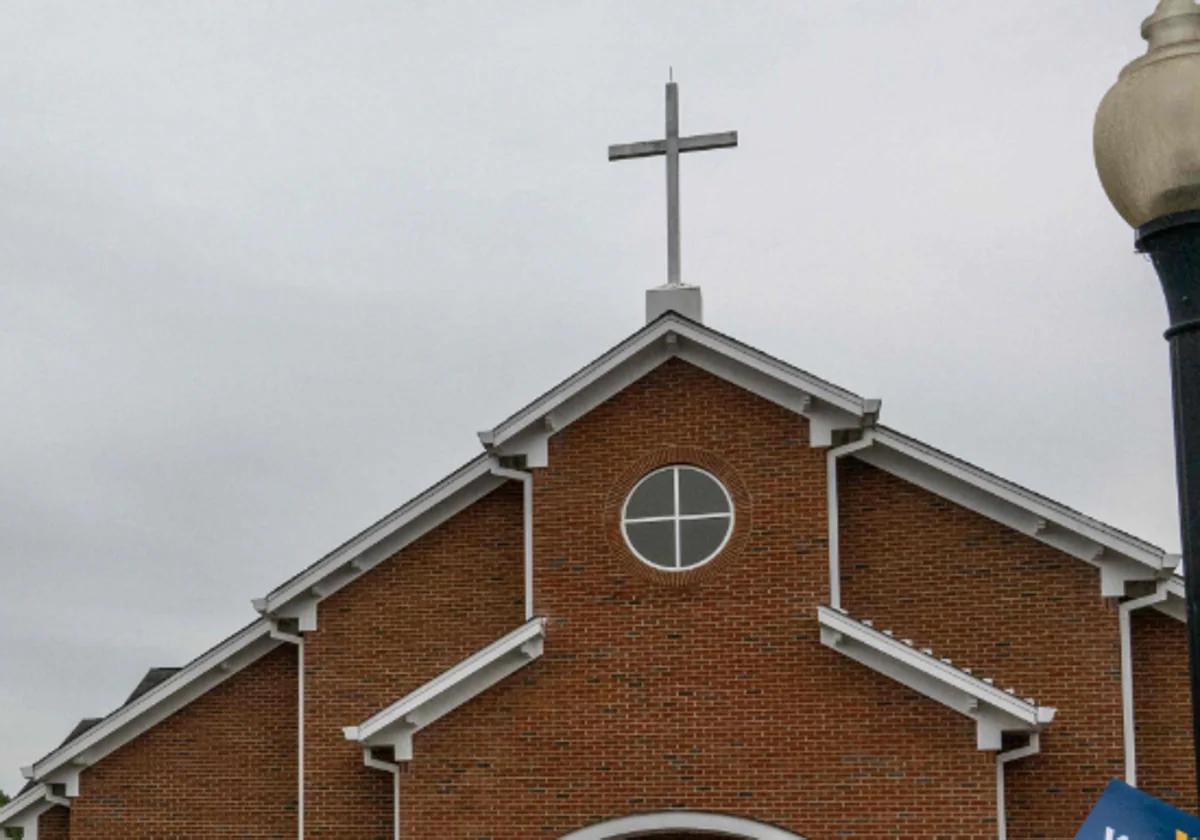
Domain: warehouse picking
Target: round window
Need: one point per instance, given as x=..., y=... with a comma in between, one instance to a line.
x=677, y=518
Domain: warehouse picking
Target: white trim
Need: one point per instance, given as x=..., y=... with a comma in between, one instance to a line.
x=676, y=517
x=23, y=812
x=1125, y=619
x=396, y=725
x=995, y=711
x=122, y=726
x=387, y=536
x=1175, y=604
x=1120, y=556
x=526, y=480
x=662, y=821
x=831, y=489
x=1032, y=748
x=669, y=336
x=393, y=768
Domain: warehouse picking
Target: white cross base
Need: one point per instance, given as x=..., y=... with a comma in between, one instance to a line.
x=674, y=298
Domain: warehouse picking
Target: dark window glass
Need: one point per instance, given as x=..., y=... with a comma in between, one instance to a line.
x=699, y=493
x=654, y=497
x=700, y=538
x=654, y=541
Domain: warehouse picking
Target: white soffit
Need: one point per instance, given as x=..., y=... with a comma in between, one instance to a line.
x=1175, y=604
x=395, y=726
x=28, y=806
x=828, y=406
x=1120, y=556
x=128, y=722
x=995, y=711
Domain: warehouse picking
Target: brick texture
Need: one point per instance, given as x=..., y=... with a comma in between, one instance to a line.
x=455, y=590
x=223, y=766
x=711, y=691
x=706, y=690
x=1007, y=606
x=55, y=824
x=1163, y=709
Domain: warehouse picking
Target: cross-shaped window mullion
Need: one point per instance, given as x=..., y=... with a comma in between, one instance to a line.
x=678, y=540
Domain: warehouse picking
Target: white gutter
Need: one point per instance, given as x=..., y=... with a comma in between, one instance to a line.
x=527, y=480
x=394, y=769
x=1032, y=748
x=1125, y=619
x=835, y=578
x=298, y=641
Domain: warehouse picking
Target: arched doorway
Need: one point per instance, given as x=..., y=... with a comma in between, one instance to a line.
x=681, y=825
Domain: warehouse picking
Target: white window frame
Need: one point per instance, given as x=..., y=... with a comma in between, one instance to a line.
x=676, y=517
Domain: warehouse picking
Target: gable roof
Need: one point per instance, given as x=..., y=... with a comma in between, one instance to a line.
x=669, y=335
x=827, y=407
x=24, y=810
x=153, y=678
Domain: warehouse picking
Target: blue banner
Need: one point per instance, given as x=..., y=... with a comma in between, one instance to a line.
x=1125, y=813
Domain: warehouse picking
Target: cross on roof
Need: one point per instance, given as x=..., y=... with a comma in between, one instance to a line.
x=671, y=147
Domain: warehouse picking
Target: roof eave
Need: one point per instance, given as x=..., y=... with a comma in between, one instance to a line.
x=995, y=711
x=669, y=336
x=127, y=722
x=395, y=726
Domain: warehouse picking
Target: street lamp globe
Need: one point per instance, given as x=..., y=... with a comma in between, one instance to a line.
x=1147, y=133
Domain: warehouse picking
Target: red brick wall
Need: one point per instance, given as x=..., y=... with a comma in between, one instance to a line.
x=223, y=765
x=55, y=824
x=708, y=691
x=455, y=590
x=1006, y=606
x=1163, y=708
x=711, y=693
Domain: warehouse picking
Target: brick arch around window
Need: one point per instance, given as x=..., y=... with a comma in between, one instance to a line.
x=666, y=456
x=681, y=825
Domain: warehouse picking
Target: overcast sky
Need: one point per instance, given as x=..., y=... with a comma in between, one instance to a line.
x=269, y=266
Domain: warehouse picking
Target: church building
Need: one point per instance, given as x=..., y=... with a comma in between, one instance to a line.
x=691, y=591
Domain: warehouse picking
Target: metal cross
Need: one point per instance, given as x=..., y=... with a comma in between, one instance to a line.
x=672, y=146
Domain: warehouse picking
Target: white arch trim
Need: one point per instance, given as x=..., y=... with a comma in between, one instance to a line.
x=647, y=825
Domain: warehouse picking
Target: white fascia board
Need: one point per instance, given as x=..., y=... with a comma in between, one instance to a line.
x=1175, y=604
x=32, y=802
x=1008, y=503
x=994, y=710
x=387, y=536
x=395, y=725
x=122, y=726
x=645, y=349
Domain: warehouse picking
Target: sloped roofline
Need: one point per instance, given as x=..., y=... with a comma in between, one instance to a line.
x=478, y=476
x=673, y=322
x=994, y=710
x=1037, y=504
x=397, y=723
x=474, y=470
x=34, y=798
x=127, y=722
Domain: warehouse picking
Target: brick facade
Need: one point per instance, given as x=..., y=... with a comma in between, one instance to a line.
x=1009, y=607
x=1163, y=709
x=452, y=592
x=225, y=765
x=55, y=824
x=706, y=690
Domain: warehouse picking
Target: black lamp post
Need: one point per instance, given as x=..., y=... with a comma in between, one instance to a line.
x=1147, y=147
